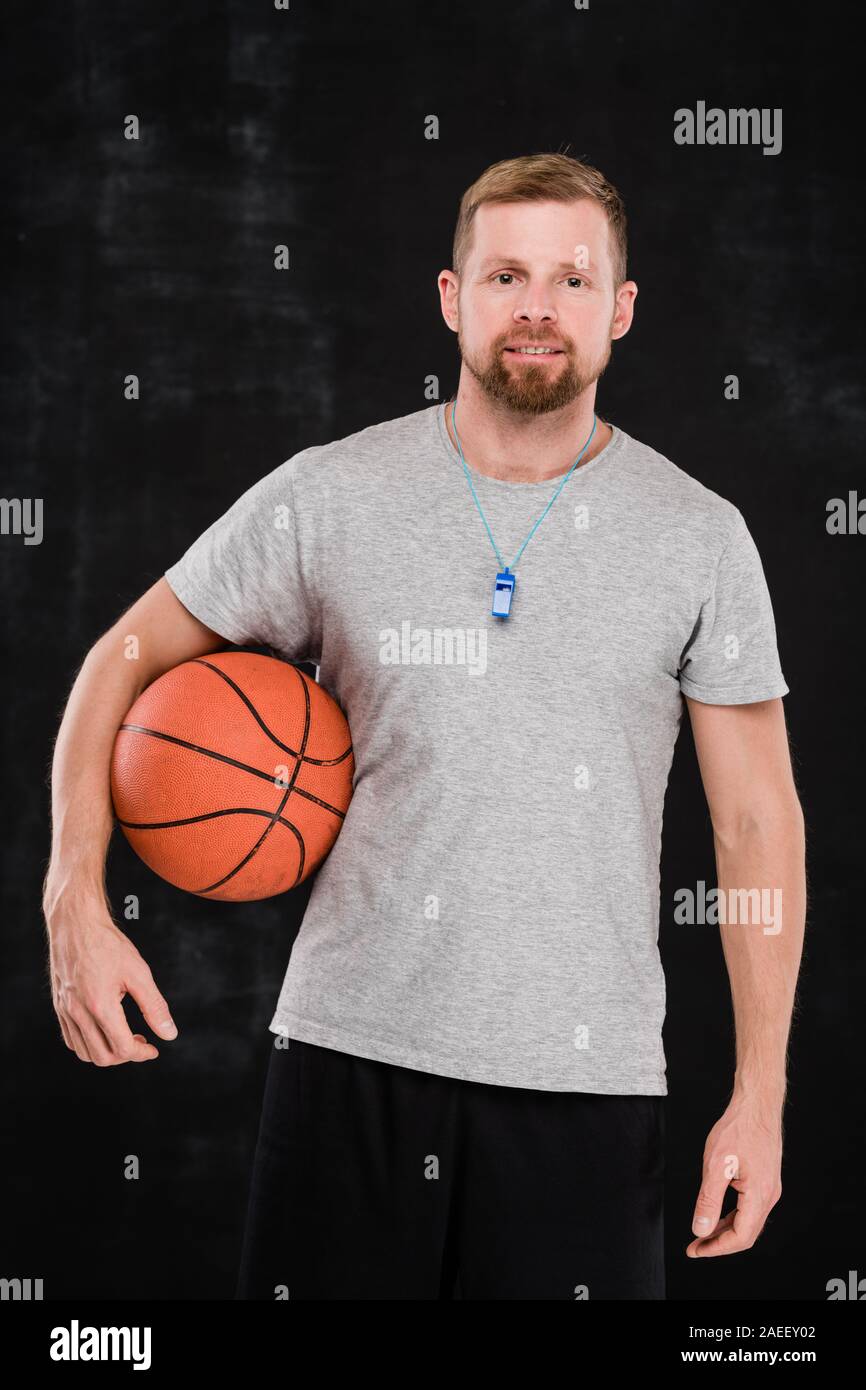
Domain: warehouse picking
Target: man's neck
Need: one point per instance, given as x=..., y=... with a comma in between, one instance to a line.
x=524, y=448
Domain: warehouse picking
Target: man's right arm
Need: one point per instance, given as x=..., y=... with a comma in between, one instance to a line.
x=92, y=963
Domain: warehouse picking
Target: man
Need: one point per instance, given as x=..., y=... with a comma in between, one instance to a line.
x=512, y=600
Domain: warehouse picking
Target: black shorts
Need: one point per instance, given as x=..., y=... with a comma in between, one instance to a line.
x=377, y=1181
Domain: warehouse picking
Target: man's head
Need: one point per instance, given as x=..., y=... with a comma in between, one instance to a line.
x=539, y=259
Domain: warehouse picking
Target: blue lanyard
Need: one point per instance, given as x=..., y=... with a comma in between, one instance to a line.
x=547, y=508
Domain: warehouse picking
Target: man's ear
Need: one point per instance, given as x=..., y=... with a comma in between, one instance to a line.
x=449, y=295
x=624, y=311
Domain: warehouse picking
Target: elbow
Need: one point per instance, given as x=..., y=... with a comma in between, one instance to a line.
x=781, y=820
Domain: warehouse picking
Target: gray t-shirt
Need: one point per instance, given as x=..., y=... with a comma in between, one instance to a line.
x=490, y=908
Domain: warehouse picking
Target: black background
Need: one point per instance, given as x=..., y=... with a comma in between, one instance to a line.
x=156, y=257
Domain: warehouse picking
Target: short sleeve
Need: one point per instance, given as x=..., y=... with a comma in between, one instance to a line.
x=731, y=657
x=243, y=577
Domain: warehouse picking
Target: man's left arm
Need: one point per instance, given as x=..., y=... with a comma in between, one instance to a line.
x=759, y=836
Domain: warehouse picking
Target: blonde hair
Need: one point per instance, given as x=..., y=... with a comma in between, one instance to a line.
x=540, y=178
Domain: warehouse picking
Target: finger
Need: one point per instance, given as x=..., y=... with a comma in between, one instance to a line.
x=708, y=1207
x=729, y=1242
x=78, y=1044
x=154, y=1007
x=123, y=1044
x=146, y=1051
x=696, y=1247
x=65, y=1031
x=741, y=1231
x=97, y=1046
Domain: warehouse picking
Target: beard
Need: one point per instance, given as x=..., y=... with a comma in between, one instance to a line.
x=528, y=388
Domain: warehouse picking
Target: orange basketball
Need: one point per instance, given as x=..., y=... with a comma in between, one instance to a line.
x=231, y=775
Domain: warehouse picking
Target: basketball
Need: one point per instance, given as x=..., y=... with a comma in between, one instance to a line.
x=231, y=775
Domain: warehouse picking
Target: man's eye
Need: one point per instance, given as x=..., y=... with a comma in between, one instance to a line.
x=507, y=275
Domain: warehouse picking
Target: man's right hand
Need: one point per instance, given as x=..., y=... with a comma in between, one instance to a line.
x=93, y=966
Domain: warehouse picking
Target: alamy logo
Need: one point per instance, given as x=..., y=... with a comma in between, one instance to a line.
x=738, y=126
x=20, y=1290
x=847, y=519
x=22, y=516
x=855, y=1288
x=438, y=646
x=75, y=1343
x=727, y=907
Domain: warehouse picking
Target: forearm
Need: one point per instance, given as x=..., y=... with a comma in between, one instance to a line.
x=81, y=809
x=763, y=945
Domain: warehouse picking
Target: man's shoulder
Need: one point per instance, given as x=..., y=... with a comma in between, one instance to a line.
x=372, y=445
x=668, y=486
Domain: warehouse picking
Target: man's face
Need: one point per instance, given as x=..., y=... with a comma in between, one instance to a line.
x=538, y=274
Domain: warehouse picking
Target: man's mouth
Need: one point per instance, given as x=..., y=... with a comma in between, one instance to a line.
x=535, y=351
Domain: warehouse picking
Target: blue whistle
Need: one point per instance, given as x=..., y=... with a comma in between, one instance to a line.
x=503, y=593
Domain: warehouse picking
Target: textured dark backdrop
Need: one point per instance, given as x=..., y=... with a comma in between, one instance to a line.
x=155, y=257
